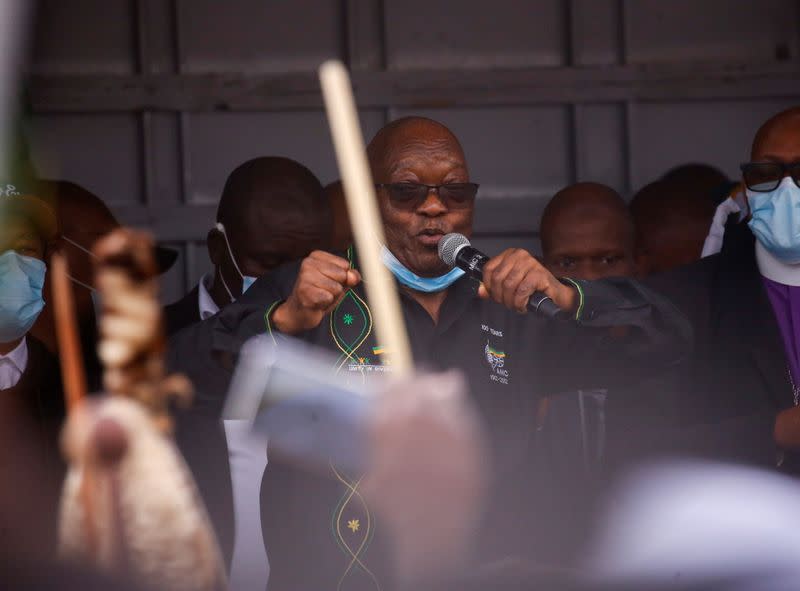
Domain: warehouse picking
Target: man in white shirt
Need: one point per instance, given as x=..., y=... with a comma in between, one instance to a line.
x=272, y=211
x=27, y=224
x=29, y=375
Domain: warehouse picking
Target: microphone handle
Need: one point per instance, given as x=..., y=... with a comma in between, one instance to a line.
x=542, y=303
x=472, y=261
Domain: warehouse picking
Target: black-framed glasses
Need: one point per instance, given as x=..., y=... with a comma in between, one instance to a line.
x=764, y=177
x=412, y=195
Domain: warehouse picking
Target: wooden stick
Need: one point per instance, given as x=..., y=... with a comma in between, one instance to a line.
x=362, y=206
x=69, y=346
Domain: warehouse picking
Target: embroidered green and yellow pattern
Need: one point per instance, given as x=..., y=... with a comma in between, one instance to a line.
x=351, y=521
x=352, y=528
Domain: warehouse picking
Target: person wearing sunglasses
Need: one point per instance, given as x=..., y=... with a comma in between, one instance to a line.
x=741, y=402
x=319, y=532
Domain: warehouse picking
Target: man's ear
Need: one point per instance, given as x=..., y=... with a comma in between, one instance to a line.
x=216, y=247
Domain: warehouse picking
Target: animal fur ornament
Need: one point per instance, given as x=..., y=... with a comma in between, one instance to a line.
x=130, y=505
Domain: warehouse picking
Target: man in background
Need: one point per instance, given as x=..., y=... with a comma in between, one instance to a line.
x=671, y=226
x=702, y=180
x=587, y=233
x=741, y=402
x=29, y=375
x=83, y=218
x=272, y=211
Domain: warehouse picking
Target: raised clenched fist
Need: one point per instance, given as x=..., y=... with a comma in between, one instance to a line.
x=320, y=286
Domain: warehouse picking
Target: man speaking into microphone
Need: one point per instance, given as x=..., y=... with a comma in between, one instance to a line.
x=318, y=532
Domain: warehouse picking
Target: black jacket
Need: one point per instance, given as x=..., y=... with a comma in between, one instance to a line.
x=738, y=378
x=37, y=403
x=538, y=357
x=183, y=313
x=201, y=437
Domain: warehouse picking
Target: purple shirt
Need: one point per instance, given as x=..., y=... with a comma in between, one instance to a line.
x=785, y=301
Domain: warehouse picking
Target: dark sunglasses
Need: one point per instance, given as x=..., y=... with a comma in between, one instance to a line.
x=412, y=195
x=764, y=177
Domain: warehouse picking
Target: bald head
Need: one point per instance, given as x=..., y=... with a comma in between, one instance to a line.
x=779, y=138
x=410, y=134
x=268, y=188
x=79, y=210
x=418, y=150
x=83, y=218
x=273, y=211
x=671, y=225
x=702, y=180
x=587, y=233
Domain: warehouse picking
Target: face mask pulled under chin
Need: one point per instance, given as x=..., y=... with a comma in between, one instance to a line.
x=21, y=302
x=775, y=220
x=410, y=279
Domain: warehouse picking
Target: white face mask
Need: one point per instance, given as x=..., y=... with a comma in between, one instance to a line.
x=247, y=280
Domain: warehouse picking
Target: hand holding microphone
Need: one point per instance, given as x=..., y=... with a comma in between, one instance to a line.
x=513, y=278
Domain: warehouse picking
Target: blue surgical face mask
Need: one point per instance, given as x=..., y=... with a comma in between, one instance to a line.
x=247, y=280
x=21, y=281
x=775, y=220
x=414, y=281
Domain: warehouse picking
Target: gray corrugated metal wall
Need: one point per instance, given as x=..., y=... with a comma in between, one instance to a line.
x=150, y=103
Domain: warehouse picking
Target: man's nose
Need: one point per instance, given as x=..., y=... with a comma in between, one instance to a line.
x=433, y=204
x=589, y=271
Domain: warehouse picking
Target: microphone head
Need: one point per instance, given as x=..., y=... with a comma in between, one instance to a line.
x=449, y=246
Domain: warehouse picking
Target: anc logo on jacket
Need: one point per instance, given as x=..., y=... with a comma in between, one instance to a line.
x=496, y=359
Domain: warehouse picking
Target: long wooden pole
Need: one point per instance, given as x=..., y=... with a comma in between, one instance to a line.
x=362, y=207
x=73, y=376
x=69, y=346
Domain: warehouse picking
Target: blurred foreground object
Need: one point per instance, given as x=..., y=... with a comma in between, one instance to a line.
x=146, y=520
x=417, y=441
x=426, y=452
x=130, y=505
x=132, y=340
x=699, y=526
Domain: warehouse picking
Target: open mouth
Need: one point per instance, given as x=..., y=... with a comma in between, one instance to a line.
x=430, y=237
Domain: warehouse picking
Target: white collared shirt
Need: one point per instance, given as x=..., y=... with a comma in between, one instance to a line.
x=247, y=457
x=774, y=269
x=13, y=364
x=205, y=302
x=716, y=234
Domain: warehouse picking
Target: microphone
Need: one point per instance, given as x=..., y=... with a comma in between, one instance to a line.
x=455, y=251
